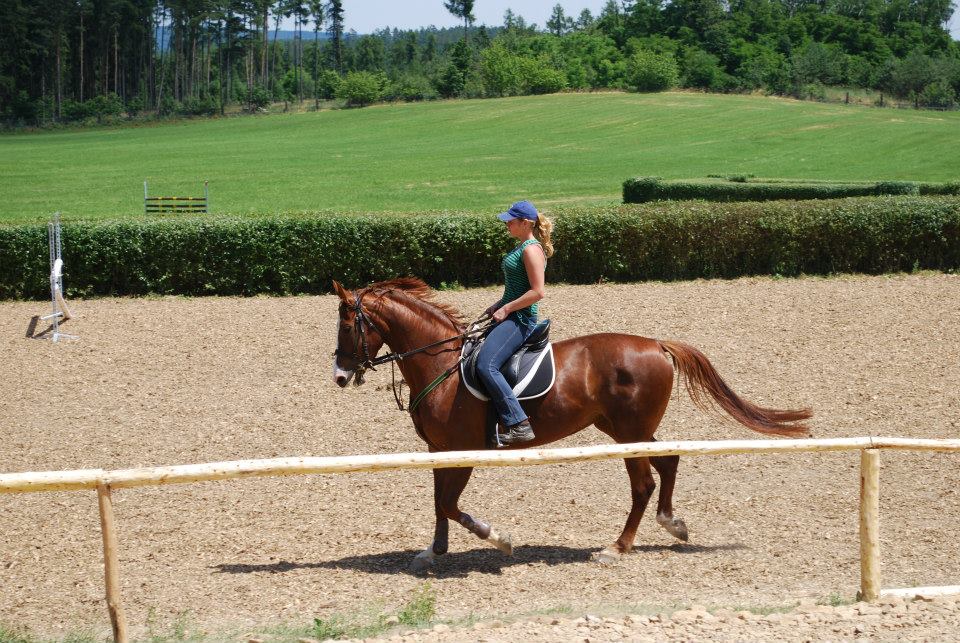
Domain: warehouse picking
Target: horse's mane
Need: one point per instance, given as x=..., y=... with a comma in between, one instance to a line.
x=417, y=289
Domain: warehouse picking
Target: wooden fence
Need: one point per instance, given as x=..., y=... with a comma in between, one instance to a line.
x=106, y=481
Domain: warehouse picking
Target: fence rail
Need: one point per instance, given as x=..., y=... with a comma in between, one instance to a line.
x=104, y=481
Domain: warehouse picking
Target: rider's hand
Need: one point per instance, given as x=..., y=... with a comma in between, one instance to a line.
x=500, y=314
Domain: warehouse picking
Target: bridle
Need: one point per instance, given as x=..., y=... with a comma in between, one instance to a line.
x=362, y=319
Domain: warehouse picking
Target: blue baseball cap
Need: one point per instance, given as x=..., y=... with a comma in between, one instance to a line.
x=519, y=210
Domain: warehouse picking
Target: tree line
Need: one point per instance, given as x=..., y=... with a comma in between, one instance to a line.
x=69, y=60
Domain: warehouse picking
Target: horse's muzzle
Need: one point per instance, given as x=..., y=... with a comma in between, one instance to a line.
x=340, y=376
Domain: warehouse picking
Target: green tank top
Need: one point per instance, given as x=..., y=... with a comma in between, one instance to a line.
x=516, y=282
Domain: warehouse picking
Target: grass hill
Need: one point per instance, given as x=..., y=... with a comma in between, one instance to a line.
x=466, y=155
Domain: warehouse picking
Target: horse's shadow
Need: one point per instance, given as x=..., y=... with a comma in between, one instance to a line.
x=459, y=564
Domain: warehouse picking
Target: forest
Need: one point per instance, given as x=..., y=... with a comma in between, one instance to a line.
x=64, y=61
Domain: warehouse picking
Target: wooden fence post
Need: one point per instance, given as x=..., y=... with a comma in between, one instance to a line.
x=869, y=524
x=110, y=565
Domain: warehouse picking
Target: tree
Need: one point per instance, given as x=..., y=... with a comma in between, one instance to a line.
x=500, y=70
x=359, y=88
x=585, y=21
x=611, y=22
x=645, y=18
x=538, y=77
x=912, y=74
x=370, y=54
x=335, y=14
x=279, y=14
x=301, y=12
x=328, y=83
x=411, y=51
x=429, y=48
x=316, y=12
x=450, y=82
x=700, y=69
x=651, y=72
x=938, y=95
x=558, y=23
x=698, y=16
x=461, y=9
x=482, y=38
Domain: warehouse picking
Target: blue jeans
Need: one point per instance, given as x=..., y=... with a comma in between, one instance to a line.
x=502, y=342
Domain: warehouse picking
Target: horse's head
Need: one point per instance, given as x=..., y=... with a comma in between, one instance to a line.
x=358, y=339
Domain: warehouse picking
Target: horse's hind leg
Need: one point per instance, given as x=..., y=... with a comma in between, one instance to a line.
x=641, y=488
x=448, y=484
x=666, y=466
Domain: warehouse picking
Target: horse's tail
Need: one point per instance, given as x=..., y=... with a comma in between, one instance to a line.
x=701, y=377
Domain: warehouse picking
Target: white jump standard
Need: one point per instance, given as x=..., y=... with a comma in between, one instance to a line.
x=57, y=302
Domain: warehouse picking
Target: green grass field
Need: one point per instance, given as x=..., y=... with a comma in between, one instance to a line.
x=466, y=155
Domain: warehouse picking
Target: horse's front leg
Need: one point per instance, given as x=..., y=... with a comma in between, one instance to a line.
x=448, y=484
x=424, y=560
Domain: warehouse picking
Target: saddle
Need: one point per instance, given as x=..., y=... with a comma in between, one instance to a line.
x=530, y=372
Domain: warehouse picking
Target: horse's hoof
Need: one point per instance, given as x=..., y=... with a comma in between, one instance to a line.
x=503, y=542
x=676, y=527
x=606, y=556
x=421, y=564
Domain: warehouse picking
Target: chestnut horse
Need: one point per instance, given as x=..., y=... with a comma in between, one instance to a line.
x=619, y=383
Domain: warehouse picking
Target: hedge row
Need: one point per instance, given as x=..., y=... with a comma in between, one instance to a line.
x=740, y=188
x=247, y=256
x=678, y=240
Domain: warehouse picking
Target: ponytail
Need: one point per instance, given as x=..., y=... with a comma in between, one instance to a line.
x=541, y=230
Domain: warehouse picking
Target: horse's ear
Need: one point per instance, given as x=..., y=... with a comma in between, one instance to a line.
x=342, y=292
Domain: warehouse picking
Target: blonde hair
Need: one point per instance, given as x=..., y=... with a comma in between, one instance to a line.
x=541, y=230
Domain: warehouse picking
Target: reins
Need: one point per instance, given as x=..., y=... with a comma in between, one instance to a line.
x=476, y=328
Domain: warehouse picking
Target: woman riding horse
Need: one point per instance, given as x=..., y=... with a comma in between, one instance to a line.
x=619, y=383
x=515, y=314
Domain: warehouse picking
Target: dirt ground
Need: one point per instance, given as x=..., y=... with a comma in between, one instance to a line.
x=173, y=381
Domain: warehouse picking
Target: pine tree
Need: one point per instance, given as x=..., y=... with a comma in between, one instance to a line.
x=315, y=8
x=335, y=14
x=558, y=23
x=461, y=9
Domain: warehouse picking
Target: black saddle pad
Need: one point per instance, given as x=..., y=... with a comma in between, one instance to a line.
x=530, y=372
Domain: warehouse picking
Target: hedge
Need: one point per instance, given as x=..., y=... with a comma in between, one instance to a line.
x=741, y=188
x=300, y=254
x=247, y=256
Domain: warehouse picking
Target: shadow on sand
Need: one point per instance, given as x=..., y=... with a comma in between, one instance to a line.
x=459, y=564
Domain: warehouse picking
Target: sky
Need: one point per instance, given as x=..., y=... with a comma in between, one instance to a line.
x=364, y=16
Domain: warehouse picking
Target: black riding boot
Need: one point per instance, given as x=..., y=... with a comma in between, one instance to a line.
x=518, y=433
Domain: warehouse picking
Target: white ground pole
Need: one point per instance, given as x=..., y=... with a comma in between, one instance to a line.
x=57, y=302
